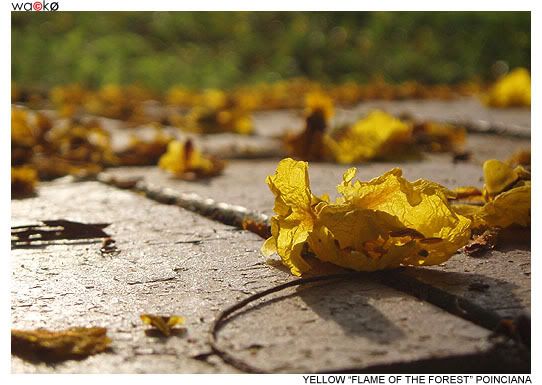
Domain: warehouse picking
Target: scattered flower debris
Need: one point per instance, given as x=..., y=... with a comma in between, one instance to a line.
x=165, y=324
x=72, y=343
x=483, y=242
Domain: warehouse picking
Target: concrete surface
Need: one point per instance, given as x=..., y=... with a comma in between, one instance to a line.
x=172, y=261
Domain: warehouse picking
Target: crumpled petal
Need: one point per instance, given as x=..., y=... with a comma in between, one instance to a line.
x=506, y=197
x=509, y=208
x=499, y=176
x=384, y=223
x=293, y=223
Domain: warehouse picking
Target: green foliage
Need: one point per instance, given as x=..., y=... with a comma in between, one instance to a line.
x=223, y=49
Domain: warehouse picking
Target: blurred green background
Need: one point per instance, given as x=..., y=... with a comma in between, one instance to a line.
x=225, y=49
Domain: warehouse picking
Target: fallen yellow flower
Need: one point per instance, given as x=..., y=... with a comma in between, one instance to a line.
x=163, y=323
x=74, y=342
x=186, y=162
x=311, y=144
x=377, y=136
x=513, y=89
x=384, y=223
x=506, y=197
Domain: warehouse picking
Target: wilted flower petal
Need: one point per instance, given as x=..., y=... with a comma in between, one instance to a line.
x=384, y=223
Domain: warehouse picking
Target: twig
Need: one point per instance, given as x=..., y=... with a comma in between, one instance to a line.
x=222, y=318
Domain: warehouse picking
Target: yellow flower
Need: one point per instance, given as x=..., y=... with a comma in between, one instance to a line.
x=185, y=161
x=513, y=89
x=378, y=135
x=318, y=102
x=384, y=223
x=74, y=342
x=23, y=181
x=165, y=324
x=295, y=218
x=507, y=197
x=499, y=176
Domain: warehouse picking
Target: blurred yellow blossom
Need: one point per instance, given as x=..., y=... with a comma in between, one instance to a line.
x=186, y=162
x=377, y=136
x=513, y=89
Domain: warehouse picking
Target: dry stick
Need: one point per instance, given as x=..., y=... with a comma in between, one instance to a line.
x=238, y=216
x=222, y=318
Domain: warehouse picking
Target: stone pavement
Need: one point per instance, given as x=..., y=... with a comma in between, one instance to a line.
x=172, y=261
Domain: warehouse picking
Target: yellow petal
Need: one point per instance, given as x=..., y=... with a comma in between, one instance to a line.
x=74, y=342
x=498, y=176
x=513, y=89
x=163, y=323
x=384, y=223
x=509, y=208
x=378, y=135
x=291, y=226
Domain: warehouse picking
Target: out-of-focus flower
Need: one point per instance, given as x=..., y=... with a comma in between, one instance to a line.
x=186, y=162
x=520, y=158
x=384, y=223
x=23, y=181
x=377, y=136
x=513, y=89
x=439, y=137
x=205, y=120
x=310, y=144
x=143, y=152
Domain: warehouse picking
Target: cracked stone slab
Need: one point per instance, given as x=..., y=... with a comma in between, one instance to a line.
x=172, y=261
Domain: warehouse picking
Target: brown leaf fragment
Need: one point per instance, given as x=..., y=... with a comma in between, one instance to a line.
x=46, y=345
x=483, y=242
x=165, y=324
